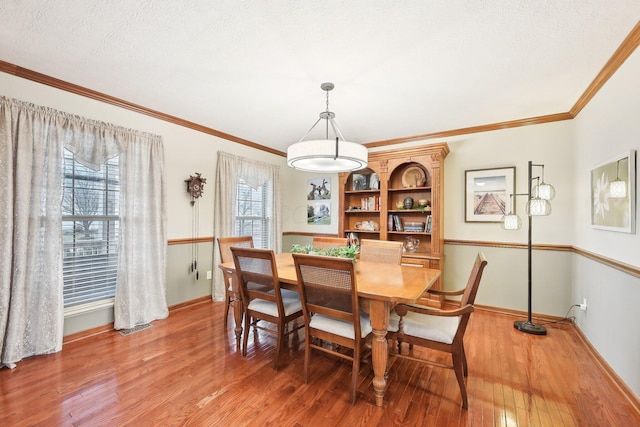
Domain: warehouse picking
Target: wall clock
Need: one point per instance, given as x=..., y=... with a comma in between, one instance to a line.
x=195, y=186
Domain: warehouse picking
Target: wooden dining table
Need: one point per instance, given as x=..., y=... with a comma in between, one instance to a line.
x=380, y=287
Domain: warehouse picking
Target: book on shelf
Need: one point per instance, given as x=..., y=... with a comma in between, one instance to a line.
x=390, y=223
x=371, y=203
x=353, y=239
x=427, y=224
x=397, y=223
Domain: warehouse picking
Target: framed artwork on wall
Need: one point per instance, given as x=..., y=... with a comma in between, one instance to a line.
x=487, y=193
x=613, y=194
x=319, y=188
x=319, y=212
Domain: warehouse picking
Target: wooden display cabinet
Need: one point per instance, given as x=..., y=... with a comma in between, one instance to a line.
x=370, y=201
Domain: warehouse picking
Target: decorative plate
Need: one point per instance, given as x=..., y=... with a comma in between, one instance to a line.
x=412, y=175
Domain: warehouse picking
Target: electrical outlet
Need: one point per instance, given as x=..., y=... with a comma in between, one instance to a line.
x=209, y=275
x=583, y=306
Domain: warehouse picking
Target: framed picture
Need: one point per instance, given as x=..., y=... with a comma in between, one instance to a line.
x=319, y=213
x=366, y=181
x=319, y=188
x=487, y=193
x=611, y=209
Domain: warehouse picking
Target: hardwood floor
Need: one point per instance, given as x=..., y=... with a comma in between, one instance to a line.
x=185, y=370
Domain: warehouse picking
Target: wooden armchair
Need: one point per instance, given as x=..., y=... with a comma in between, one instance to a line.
x=331, y=310
x=224, y=245
x=386, y=251
x=262, y=298
x=441, y=330
x=322, y=242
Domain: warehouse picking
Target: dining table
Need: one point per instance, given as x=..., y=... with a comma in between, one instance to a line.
x=380, y=286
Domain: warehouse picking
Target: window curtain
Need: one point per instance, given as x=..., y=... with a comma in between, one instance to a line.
x=254, y=173
x=32, y=139
x=142, y=257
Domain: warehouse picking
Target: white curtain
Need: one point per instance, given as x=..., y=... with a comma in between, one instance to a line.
x=32, y=139
x=31, y=308
x=142, y=258
x=228, y=170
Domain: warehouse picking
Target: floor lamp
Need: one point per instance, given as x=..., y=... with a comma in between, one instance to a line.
x=537, y=205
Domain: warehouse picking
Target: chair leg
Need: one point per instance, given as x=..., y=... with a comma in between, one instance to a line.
x=226, y=311
x=245, y=338
x=457, y=367
x=354, y=374
x=307, y=355
x=279, y=346
x=464, y=362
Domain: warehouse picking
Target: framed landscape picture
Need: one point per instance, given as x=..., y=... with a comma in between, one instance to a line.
x=611, y=209
x=487, y=193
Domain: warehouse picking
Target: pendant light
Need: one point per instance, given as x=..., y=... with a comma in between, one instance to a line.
x=327, y=155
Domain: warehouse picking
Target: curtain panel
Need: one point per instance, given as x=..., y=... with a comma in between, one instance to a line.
x=228, y=170
x=32, y=140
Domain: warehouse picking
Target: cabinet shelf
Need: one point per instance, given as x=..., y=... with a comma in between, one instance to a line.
x=410, y=233
x=408, y=189
x=363, y=192
x=425, y=211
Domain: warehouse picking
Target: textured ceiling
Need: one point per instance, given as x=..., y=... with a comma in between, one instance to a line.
x=253, y=69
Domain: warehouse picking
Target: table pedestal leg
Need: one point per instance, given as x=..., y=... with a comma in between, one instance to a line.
x=379, y=318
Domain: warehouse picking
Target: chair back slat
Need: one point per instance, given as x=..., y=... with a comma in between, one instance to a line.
x=327, y=285
x=322, y=242
x=469, y=296
x=257, y=273
x=328, y=288
x=225, y=244
x=386, y=251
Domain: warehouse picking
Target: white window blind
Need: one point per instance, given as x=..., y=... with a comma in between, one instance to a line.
x=253, y=212
x=90, y=228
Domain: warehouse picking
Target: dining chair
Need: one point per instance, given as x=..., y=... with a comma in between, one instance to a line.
x=331, y=311
x=262, y=298
x=322, y=242
x=439, y=329
x=224, y=245
x=386, y=251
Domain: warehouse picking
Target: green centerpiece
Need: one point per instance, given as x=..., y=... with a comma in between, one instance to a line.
x=340, y=251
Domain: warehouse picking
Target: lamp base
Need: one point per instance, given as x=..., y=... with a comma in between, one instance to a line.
x=530, y=328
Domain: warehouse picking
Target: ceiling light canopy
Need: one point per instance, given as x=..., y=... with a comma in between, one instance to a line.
x=327, y=155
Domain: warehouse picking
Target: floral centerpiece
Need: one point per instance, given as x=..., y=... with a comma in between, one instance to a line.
x=340, y=251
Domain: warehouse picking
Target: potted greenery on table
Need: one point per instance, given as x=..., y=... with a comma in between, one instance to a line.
x=340, y=251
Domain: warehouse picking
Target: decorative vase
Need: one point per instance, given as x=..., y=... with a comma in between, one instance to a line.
x=411, y=244
x=408, y=203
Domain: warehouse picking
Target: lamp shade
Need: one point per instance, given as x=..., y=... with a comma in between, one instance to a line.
x=617, y=189
x=511, y=222
x=544, y=191
x=320, y=155
x=538, y=207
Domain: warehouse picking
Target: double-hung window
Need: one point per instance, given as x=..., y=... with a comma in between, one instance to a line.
x=90, y=228
x=253, y=212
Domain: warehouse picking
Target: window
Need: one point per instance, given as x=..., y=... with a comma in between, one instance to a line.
x=252, y=212
x=90, y=208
